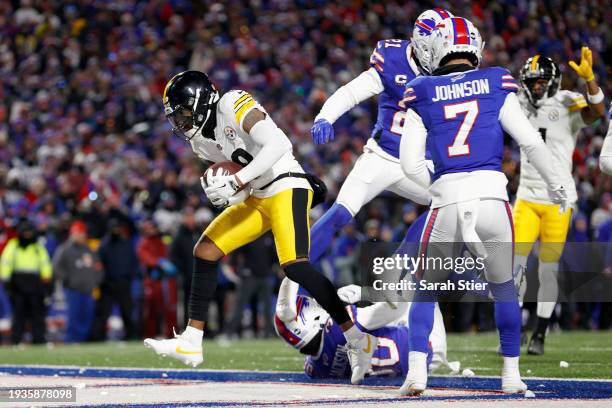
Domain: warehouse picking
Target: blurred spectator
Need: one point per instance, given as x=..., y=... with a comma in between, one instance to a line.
x=25, y=268
x=120, y=265
x=254, y=266
x=80, y=271
x=409, y=214
x=159, y=283
x=181, y=254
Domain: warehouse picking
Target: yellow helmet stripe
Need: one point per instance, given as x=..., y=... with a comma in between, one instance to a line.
x=167, y=86
x=534, y=63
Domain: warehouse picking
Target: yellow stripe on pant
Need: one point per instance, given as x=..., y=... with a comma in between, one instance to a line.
x=285, y=213
x=535, y=220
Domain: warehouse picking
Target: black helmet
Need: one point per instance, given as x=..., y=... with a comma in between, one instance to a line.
x=538, y=67
x=190, y=100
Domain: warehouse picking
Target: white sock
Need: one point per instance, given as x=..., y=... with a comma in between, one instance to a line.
x=354, y=335
x=193, y=335
x=549, y=288
x=511, y=363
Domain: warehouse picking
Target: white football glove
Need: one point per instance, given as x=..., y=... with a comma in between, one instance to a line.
x=558, y=195
x=350, y=294
x=222, y=189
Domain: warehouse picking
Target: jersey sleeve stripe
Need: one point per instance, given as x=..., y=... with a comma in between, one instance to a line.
x=577, y=107
x=378, y=56
x=507, y=77
x=244, y=109
x=240, y=100
x=509, y=85
x=239, y=106
x=378, y=67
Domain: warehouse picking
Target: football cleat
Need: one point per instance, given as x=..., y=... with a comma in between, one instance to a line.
x=416, y=380
x=511, y=378
x=178, y=348
x=536, y=346
x=360, y=357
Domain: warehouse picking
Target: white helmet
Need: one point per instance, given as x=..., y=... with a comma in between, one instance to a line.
x=424, y=25
x=310, y=320
x=456, y=35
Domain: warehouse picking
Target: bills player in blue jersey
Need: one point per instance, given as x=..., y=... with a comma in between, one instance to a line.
x=459, y=114
x=304, y=325
x=393, y=64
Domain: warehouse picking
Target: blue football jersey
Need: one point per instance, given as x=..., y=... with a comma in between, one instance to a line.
x=461, y=114
x=390, y=357
x=390, y=59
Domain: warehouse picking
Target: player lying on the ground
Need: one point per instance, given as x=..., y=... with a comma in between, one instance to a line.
x=461, y=113
x=558, y=115
x=605, y=158
x=393, y=63
x=270, y=192
x=304, y=325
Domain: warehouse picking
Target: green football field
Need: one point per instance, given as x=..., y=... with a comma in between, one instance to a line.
x=589, y=355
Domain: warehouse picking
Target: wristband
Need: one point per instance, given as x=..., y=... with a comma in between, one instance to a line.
x=597, y=98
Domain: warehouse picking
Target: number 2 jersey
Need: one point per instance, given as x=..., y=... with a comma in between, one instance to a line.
x=232, y=143
x=394, y=64
x=559, y=120
x=390, y=357
x=465, y=139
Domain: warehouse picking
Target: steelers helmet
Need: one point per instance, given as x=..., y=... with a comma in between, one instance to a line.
x=190, y=101
x=539, y=67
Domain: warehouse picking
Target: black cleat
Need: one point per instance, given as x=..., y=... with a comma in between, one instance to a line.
x=536, y=346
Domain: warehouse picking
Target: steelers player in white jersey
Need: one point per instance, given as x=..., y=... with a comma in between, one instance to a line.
x=559, y=115
x=605, y=157
x=270, y=192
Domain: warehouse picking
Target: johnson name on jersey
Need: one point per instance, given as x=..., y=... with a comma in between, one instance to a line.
x=559, y=120
x=232, y=143
x=393, y=61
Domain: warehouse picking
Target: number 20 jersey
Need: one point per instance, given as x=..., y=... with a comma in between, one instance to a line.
x=390, y=357
x=392, y=60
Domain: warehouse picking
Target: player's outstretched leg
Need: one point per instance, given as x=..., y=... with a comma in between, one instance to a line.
x=187, y=347
x=325, y=228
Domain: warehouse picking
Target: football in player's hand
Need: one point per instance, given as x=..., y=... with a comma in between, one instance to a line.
x=222, y=169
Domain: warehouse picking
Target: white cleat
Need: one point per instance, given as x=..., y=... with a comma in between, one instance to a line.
x=178, y=348
x=360, y=357
x=416, y=379
x=511, y=377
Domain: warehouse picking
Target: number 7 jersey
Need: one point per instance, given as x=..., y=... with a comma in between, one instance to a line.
x=460, y=112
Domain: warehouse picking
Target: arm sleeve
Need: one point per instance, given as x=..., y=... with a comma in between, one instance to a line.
x=366, y=85
x=274, y=144
x=287, y=295
x=516, y=124
x=412, y=149
x=605, y=158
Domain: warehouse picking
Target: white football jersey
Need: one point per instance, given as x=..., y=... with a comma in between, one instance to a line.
x=232, y=143
x=558, y=119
